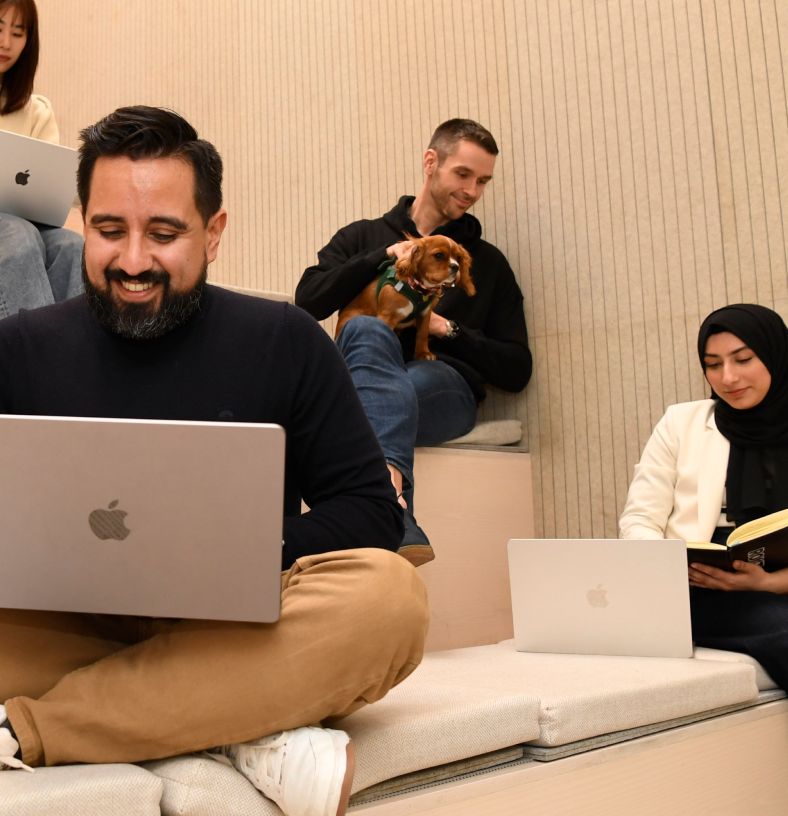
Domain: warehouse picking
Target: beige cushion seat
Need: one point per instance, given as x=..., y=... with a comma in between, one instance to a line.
x=80, y=790
x=584, y=695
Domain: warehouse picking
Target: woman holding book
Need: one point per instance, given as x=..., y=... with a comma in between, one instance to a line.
x=714, y=464
x=38, y=264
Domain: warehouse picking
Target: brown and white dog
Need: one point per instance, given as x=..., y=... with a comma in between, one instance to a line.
x=406, y=293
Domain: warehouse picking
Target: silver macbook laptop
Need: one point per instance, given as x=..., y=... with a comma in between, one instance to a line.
x=37, y=179
x=600, y=596
x=165, y=519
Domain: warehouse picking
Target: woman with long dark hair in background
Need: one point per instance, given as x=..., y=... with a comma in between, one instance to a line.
x=39, y=264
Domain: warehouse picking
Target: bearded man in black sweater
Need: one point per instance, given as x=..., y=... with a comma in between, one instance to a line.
x=150, y=339
x=478, y=340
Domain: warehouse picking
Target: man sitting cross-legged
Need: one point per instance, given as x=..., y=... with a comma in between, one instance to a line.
x=151, y=340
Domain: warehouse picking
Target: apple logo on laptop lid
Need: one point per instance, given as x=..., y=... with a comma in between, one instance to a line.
x=597, y=597
x=109, y=523
x=21, y=177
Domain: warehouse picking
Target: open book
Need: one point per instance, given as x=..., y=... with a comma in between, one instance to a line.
x=762, y=541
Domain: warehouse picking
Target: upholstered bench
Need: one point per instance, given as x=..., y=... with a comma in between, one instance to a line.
x=463, y=711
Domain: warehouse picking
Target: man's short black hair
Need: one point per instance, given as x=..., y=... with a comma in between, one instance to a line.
x=142, y=132
x=444, y=140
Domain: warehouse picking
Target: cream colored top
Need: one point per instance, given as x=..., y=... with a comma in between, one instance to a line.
x=36, y=119
x=679, y=483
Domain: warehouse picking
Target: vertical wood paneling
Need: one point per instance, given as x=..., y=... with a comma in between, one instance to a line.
x=642, y=181
x=768, y=75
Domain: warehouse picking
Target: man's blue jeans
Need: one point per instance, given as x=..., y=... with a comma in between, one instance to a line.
x=423, y=402
x=39, y=265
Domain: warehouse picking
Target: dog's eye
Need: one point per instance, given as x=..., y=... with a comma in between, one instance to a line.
x=439, y=256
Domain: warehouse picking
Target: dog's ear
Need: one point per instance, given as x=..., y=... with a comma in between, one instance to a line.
x=407, y=265
x=464, y=279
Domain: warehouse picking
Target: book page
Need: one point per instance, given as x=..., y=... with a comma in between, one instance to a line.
x=705, y=545
x=759, y=527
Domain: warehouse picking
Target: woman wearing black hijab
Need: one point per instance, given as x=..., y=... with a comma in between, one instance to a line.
x=714, y=464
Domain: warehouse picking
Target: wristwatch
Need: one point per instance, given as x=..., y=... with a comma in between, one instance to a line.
x=452, y=330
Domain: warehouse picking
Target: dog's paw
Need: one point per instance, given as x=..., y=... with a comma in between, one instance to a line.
x=424, y=355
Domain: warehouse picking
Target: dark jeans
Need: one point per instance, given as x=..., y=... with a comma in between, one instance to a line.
x=755, y=623
x=424, y=402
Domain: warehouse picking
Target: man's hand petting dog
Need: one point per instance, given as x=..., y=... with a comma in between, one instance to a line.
x=400, y=249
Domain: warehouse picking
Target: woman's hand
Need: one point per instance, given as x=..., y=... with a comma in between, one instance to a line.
x=746, y=577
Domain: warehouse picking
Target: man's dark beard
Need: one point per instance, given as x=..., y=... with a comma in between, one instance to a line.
x=143, y=321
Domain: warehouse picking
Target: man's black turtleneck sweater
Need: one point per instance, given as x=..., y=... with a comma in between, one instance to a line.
x=238, y=359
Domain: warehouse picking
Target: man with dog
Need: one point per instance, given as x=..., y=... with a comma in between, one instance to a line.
x=478, y=340
x=151, y=340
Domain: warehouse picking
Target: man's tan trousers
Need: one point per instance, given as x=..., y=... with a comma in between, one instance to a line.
x=100, y=688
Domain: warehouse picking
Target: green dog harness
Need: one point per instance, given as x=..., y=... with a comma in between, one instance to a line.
x=389, y=277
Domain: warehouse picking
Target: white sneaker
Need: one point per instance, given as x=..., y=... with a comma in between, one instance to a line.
x=306, y=771
x=8, y=747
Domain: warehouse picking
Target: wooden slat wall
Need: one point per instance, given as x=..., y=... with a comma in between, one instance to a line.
x=643, y=177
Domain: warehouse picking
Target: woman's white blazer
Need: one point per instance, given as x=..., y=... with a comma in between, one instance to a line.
x=679, y=483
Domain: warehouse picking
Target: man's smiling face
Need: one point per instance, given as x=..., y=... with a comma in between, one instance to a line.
x=147, y=247
x=458, y=181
